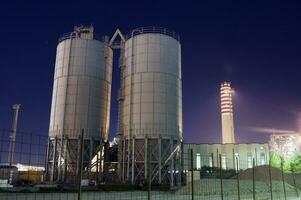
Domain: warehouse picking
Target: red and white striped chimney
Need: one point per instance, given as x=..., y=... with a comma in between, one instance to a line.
x=228, y=135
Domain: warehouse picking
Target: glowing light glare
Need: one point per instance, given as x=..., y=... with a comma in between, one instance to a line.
x=25, y=168
x=285, y=145
x=96, y=159
x=271, y=130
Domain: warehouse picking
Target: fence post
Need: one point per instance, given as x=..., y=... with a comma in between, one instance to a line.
x=46, y=173
x=237, y=177
x=221, y=176
x=66, y=159
x=80, y=167
x=270, y=177
x=282, y=176
x=54, y=160
x=192, y=177
x=253, y=179
x=295, y=185
x=149, y=172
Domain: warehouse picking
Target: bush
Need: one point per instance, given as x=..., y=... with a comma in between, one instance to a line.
x=214, y=172
x=290, y=165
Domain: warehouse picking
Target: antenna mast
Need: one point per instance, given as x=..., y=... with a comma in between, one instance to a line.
x=12, y=136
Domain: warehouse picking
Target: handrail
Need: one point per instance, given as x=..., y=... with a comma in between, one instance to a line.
x=134, y=32
x=72, y=35
x=66, y=36
x=152, y=29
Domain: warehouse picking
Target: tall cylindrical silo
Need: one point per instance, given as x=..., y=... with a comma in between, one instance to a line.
x=151, y=118
x=80, y=101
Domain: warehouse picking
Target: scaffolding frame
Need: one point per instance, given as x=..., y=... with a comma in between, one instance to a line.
x=165, y=160
x=62, y=160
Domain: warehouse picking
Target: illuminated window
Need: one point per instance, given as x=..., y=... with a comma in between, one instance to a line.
x=237, y=164
x=250, y=161
x=224, y=162
x=262, y=159
x=210, y=161
x=198, y=161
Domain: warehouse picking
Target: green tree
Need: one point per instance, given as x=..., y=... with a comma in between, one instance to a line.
x=276, y=160
x=287, y=167
x=295, y=163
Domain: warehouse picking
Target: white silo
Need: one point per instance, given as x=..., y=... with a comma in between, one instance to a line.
x=151, y=120
x=228, y=135
x=80, y=101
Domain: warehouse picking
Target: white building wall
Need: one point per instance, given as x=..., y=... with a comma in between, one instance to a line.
x=210, y=152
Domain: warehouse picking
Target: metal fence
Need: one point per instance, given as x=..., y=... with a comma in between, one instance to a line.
x=26, y=178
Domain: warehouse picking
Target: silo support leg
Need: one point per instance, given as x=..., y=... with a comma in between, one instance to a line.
x=171, y=166
x=91, y=158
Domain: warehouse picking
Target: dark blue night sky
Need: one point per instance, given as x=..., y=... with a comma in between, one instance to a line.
x=254, y=44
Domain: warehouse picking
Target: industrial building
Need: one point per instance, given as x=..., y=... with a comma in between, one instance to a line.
x=226, y=156
x=10, y=174
x=150, y=105
x=151, y=108
x=150, y=128
x=80, y=101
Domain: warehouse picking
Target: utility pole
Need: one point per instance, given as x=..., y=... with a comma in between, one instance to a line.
x=12, y=136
